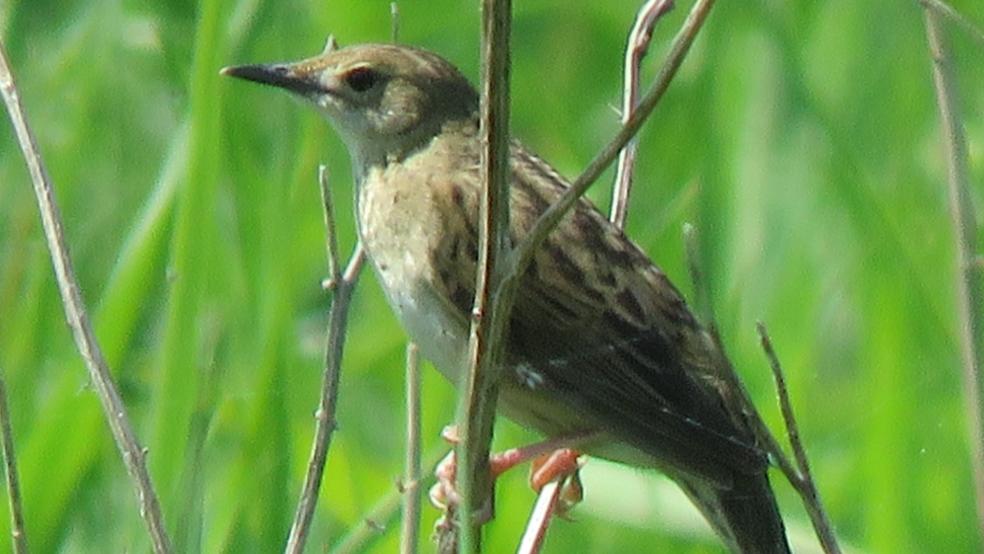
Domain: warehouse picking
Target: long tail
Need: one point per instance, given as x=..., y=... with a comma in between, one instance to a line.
x=745, y=516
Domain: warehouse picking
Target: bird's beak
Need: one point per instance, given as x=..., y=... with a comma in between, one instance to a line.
x=297, y=78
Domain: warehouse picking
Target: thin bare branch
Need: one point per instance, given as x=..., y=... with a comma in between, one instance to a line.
x=342, y=285
x=805, y=484
x=947, y=11
x=411, y=474
x=394, y=22
x=331, y=236
x=134, y=456
x=17, y=532
x=325, y=415
x=539, y=521
x=522, y=255
x=635, y=50
x=476, y=413
x=970, y=298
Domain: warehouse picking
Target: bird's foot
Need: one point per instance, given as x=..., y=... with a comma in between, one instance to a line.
x=563, y=466
x=552, y=460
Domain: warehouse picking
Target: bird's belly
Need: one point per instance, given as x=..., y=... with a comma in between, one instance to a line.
x=440, y=334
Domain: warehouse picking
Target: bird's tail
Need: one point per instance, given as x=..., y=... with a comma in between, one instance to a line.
x=745, y=516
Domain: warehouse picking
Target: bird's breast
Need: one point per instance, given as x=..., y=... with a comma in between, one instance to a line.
x=401, y=225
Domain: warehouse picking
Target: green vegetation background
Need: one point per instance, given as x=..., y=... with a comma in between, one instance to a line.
x=801, y=137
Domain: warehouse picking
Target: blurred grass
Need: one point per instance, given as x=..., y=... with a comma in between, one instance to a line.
x=801, y=138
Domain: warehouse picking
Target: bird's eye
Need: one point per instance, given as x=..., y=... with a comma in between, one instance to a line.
x=362, y=79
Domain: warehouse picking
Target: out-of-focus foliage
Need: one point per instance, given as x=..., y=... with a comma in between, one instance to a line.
x=800, y=137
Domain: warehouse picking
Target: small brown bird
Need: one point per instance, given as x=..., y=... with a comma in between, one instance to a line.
x=599, y=339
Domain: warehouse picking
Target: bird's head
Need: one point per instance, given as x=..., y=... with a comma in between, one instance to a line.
x=385, y=100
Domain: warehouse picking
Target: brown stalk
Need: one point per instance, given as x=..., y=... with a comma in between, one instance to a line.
x=410, y=486
x=635, y=50
x=134, y=456
x=539, y=521
x=945, y=10
x=970, y=318
x=17, y=533
x=342, y=284
x=803, y=481
x=476, y=412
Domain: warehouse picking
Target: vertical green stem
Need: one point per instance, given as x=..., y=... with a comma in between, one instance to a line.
x=477, y=408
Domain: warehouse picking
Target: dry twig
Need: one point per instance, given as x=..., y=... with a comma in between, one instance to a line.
x=970, y=310
x=17, y=532
x=539, y=521
x=134, y=456
x=342, y=285
x=947, y=11
x=394, y=22
x=803, y=483
x=476, y=410
x=410, y=485
x=635, y=50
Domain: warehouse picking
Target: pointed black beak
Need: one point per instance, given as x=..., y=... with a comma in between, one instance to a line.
x=284, y=76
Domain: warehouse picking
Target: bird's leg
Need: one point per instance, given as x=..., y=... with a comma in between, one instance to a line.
x=552, y=458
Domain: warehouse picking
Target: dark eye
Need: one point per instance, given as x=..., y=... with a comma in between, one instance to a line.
x=362, y=79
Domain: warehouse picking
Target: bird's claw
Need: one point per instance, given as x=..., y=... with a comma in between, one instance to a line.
x=561, y=463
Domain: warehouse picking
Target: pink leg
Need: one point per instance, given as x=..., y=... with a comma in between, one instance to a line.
x=552, y=458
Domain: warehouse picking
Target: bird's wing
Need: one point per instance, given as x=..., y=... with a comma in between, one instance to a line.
x=635, y=376
x=606, y=331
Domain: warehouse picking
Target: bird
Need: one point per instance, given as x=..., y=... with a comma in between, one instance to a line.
x=599, y=340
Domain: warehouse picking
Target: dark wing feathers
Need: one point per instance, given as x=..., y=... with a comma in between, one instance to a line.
x=634, y=387
x=610, y=334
